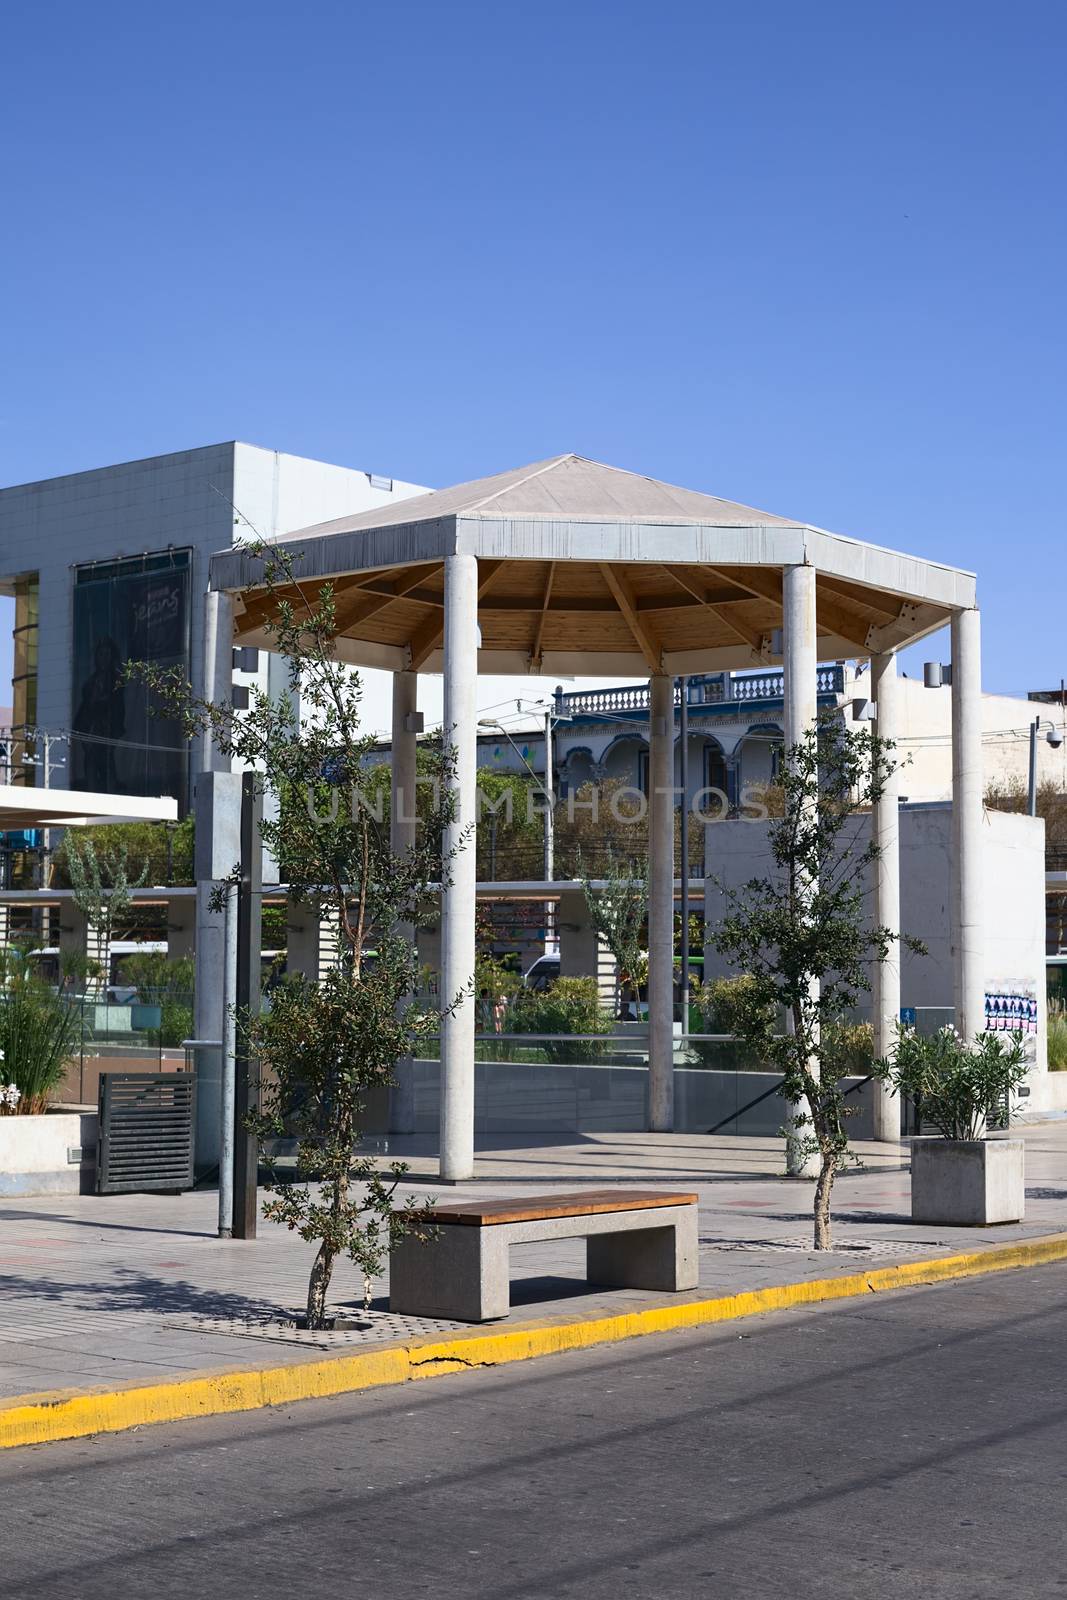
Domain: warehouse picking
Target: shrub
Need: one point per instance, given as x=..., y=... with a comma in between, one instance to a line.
x=955, y=1085
x=848, y=1048
x=1057, y=1037
x=569, y=1006
x=724, y=1002
x=38, y=1029
x=168, y=984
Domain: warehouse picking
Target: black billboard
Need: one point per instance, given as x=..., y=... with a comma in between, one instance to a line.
x=136, y=610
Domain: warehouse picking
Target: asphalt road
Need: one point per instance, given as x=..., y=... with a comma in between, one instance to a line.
x=911, y=1445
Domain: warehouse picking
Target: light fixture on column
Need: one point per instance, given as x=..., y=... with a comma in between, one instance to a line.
x=937, y=674
x=1054, y=738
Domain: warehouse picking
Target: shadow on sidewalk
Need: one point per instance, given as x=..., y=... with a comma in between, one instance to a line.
x=130, y=1292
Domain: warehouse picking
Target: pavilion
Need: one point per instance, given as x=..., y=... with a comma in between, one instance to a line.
x=568, y=567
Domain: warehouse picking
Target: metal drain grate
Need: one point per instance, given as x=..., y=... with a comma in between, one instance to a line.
x=378, y=1326
x=866, y=1248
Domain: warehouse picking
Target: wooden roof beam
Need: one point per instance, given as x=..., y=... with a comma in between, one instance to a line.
x=427, y=638
x=834, y=616
x=619, y=587
x=539, y=631
x=373, y=598
x=741, y=630
x=304, y=597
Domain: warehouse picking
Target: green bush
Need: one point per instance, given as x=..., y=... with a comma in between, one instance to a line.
x=720, y=1004
x=724, y=1001
x=1057, y=1036
x=957, y=1086
x=38, y=1035
x=175, y=1024
x=848, y=1048
x=569, y=1006
x=168, y=984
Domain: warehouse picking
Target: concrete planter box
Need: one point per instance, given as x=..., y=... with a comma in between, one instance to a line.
x=968, y=1182
x=50, y=1154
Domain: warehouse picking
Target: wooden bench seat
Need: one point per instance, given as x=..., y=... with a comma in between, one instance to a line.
x=636, y=1239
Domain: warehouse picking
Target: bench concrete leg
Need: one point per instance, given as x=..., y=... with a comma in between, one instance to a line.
x=664, y=1258
x=461, y=1274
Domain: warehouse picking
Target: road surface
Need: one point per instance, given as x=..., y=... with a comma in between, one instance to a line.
x=907, y=1445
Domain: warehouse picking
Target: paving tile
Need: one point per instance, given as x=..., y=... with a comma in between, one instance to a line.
x=117, y=1288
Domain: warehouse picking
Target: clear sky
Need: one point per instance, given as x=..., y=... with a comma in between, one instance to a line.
x=811, y=257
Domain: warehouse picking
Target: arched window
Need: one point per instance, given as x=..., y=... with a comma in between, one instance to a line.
x=714, y=767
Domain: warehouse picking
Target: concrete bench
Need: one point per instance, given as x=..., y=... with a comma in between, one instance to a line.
x=636, y=1239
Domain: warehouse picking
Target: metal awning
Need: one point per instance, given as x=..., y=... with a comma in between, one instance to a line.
x=24, y=807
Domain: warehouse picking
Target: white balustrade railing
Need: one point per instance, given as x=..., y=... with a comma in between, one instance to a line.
x=720, y=688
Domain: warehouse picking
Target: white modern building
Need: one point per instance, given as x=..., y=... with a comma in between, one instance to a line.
x=111, y=565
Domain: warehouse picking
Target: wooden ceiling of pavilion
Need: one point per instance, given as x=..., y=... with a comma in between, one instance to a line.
x=534, y=607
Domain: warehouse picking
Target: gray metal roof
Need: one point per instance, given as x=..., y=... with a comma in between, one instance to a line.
x=564, y=488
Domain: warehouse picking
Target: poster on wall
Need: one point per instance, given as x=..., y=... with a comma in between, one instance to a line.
x=1012, y=1007
x=124, y=611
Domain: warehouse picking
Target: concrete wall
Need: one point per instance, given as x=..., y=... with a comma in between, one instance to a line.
x=515, y=1097
x=1014, y=908
x=53, y=1154
x=925, y=739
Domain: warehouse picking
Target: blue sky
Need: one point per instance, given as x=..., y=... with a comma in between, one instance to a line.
x=808, y=257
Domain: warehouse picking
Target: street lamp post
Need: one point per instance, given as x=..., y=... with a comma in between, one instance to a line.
x=1055, y=739
x=683, y=829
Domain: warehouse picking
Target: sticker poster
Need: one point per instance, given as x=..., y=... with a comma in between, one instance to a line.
x=1013, y=1008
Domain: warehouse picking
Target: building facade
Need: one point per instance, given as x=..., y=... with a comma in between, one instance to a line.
x=111, y=565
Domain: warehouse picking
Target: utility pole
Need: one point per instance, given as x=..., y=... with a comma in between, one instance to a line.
x=683, y=829
x=246, y=1087
x=551, y=931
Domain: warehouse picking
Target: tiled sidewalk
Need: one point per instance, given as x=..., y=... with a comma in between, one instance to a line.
x=102, y=1291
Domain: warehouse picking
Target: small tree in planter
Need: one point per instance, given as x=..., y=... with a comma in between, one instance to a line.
x=958, y=1175
x=802, y=936
x=324, y=1048
x=618, y=911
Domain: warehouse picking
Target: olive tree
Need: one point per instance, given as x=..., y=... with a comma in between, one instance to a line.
x=803, y=935
x=101, y=888
x=323, y=1048
x=618, y=912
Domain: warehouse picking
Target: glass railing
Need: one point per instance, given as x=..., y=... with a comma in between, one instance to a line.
x=134, y=1036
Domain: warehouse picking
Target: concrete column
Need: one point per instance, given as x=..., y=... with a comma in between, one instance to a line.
x=967, y=808
x=885, y=825
x=217, y=852
x=73, y=930
x=661, y=905
x=216, y=671
x=458, y=895
x=181, y=927
x=801, y=711
x=581, y=953
x=402, y=838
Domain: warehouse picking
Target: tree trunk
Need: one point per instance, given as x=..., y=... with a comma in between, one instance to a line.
x=321, y=1273
x=823, y=1186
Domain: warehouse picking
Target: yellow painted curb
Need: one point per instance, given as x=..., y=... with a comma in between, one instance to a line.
x=72, y=1414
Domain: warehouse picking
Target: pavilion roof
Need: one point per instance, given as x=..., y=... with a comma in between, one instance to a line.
x=585, y=568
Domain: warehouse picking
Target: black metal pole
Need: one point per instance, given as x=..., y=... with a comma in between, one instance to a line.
x=683, y=733
x=246, y=1084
